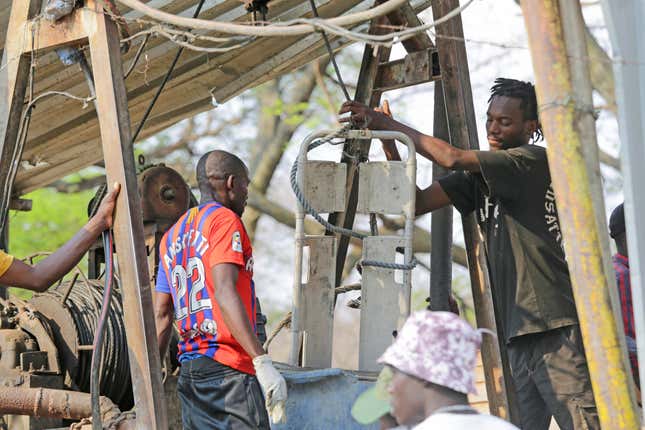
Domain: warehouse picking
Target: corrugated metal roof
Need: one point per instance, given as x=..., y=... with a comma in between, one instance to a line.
x=64, y=137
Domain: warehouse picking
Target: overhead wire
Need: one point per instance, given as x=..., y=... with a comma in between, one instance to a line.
x=332, y=57
x=21, y=137
x=137, y=56
x=163, y=82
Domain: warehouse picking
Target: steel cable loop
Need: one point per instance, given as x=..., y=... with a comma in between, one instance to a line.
x=394, y=266
x=303, y=201
x=293, y=179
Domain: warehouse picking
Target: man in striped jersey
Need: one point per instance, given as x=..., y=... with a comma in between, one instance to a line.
x=205, y=284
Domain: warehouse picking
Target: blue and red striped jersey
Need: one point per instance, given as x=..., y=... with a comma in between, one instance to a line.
x=202, y=238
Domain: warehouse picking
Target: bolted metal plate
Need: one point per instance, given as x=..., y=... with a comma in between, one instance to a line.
x=318, y=301
x=63, y=330
x=382, y=300
x=33, y=361
x=384, y=187
x=324, y=185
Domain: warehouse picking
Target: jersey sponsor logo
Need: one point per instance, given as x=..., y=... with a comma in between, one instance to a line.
x=236, y=242
x=551, y=216
x=207, y=327
x=249, y=265
x=191, y=238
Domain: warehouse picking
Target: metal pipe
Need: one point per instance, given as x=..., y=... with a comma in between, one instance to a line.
x=441, y=222
x=409, y=211
x=624, y=21
x=52, y=403
x=571, y=182
x=294, y=353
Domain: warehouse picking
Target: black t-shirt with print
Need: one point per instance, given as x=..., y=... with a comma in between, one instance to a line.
x=516, y=211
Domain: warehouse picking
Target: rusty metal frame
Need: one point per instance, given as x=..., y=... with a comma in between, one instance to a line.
x=89, y=25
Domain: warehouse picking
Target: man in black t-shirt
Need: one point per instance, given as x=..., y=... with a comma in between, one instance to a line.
x=509, y=190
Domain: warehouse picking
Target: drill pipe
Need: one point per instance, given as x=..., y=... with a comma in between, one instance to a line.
x=47, y=402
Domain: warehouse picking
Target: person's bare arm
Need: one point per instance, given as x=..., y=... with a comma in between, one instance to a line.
x=225, y=277
x=437, y=150
x=39, y=277
x=431, y=198
x=164, y=317
x=389, y=145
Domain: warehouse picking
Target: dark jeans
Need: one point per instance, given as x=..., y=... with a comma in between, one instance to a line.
x=214, y=396
x=552, y=379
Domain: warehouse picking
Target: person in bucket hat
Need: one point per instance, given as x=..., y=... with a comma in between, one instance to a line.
x=432, y=362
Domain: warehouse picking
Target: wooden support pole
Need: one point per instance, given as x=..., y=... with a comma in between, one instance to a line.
x=13, y=84
x=455, y=80
x=114, y=122
x=573, y=186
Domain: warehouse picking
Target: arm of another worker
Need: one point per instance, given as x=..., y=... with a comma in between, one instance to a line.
x=164, y=317
x=39, y=277
x=235, y=316
x=428, y=199
x=273, y=384
x=164, y=309
x=432, y=148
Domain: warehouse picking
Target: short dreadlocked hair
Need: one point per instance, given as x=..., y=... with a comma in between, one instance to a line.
x=525, y=91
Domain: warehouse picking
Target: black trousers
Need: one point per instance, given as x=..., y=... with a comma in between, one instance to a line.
x=215, y=396
x=551, y=378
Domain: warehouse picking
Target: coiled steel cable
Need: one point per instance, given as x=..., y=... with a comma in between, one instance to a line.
x=84, y=306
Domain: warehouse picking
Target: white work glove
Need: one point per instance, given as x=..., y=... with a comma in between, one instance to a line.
x=273, y=386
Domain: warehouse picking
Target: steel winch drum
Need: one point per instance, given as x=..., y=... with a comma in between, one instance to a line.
x=73, y=310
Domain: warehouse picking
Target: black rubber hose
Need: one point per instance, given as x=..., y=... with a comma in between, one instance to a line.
x=95, y=371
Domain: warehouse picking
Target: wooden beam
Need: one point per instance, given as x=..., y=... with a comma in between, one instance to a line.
x=114, y=120
x=415, y=68
x=407, y=17
x=14, y=74
x=66, y=31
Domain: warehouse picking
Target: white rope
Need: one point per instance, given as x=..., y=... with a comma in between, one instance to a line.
x=269, y=30
x=290, y=27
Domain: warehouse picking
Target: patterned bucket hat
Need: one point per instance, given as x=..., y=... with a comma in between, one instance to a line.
x=438, y=347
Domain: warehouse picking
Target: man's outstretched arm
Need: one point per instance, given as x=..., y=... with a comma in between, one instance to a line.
x=39, y=277
x=436, y=150
x=431, y=199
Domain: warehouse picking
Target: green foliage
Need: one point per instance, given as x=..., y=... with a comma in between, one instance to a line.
x=53, y=220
